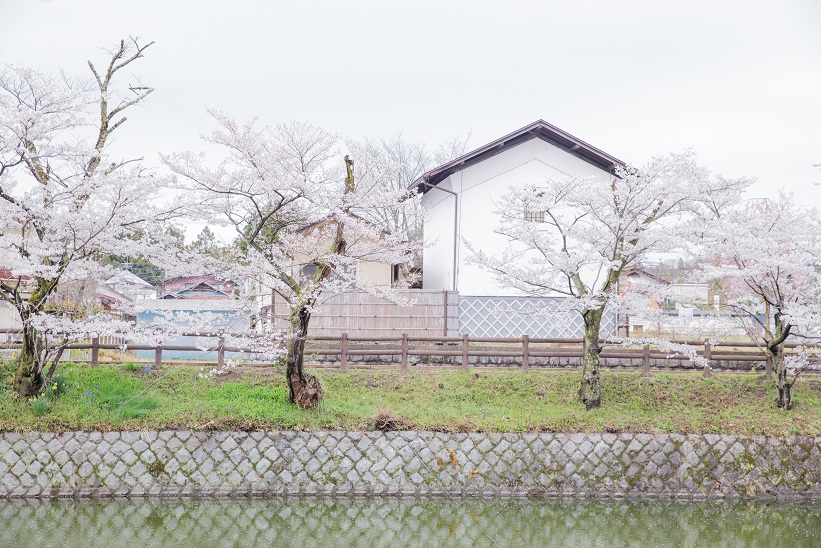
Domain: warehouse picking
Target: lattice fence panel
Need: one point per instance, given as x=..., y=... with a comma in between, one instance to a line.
x=540, y=317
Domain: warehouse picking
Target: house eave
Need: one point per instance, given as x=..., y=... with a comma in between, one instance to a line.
x=537, y=130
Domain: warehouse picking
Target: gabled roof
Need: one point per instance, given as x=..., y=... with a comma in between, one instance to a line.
x=638, y=271
x=202, y=288
x=193, y=280
x=537, y=130
x=129, y=278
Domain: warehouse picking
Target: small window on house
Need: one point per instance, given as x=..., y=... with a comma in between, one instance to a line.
x=532, y=213
x=534, y=216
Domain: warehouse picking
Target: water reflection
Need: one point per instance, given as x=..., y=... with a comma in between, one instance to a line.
x=367, y=522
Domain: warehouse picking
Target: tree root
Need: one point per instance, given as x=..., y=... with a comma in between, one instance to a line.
x=307, y=392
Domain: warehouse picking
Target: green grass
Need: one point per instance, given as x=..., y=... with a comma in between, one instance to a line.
x=109, y=398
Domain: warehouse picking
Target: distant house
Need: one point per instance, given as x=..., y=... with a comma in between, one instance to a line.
x=634, y=277
x=461, y=199
x=129, y=284
x=685, y=305
x=24, y=283
x=89, y=296
x=373, y=272
x=197, y=287
x=275, y=310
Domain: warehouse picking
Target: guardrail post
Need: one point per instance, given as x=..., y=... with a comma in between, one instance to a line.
x=404, y=357
x=708, y=355
x=95, y=351
x=221, y=350
x=465, y=360
x=645, y=360
x=525, y=352
x=158, y=356
x=343, y=353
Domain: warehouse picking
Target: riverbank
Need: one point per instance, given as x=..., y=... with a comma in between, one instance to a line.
x=129, y=398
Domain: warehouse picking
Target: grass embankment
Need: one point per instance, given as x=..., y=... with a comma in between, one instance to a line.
x=126, y=398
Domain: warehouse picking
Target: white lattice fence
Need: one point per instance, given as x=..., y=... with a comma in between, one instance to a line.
x=516, y=316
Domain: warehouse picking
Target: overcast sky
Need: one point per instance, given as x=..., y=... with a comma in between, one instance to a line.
x=739, y=81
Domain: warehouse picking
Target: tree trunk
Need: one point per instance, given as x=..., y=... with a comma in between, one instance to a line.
x=590, y=391
x=775, y=352
x=28, y=376
x=303, y=390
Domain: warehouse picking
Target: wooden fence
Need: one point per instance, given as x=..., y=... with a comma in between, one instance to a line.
x=432, y=313
x=460, y=349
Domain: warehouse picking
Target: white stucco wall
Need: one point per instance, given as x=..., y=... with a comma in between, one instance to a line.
x=479, y=188
x=375, y=273
x=9, y=319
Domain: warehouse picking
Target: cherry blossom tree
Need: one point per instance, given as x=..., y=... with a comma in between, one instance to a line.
x=592, y=230
x=763, y=258
x=65, y=202
x=393, y=164
x=293, y=201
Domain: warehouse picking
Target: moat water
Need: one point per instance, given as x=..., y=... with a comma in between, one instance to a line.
x=373, y=522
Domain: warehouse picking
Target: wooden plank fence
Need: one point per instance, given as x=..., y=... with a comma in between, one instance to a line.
x=434, y=313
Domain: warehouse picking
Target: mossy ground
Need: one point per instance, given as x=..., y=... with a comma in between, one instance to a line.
x=121, y=398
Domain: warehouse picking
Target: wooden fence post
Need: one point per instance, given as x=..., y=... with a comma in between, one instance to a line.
x=95, y=351
x=343, y=353
x=708, y=355
x=525, y=352
x=465, y=360
x=221, y=351
x=158, y=356
x=404, y=357
x=645, y=360
x=768, y=366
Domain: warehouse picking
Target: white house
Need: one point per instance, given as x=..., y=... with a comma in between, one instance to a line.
x=460, y=199
x=131, y=285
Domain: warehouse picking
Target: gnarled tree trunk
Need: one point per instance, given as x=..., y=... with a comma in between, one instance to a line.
x=590, y=391
x=28, y=376
x=303, y=390
x=775, y=352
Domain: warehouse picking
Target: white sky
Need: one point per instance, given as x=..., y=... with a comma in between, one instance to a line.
x=739, y=81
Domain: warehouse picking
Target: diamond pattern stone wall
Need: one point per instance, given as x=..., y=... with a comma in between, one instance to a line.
x=406, y=463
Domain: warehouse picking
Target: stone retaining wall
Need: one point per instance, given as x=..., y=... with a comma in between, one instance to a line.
x=634, y=364
x=406, y=463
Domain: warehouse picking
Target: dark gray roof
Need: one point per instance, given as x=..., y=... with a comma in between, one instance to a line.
x=537, y=130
